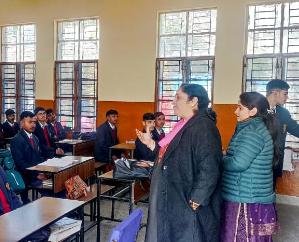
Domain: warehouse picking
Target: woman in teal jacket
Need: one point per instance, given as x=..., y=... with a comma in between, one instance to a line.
x=247, y=182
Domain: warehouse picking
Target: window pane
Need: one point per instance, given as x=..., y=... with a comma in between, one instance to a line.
x=76, y=94
x=78, y=39
x=263, y=29
x=177, y=39
x=19, y=43
x=202, y=73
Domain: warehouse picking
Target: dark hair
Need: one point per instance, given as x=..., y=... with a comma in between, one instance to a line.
x=256, y=100
x=37, y=109
x=49, y=111
x=111, y=112
x=148, y=116
x=158, y=114
x=26, y=114
x=277, y=84
x=195, y=90
x=9, y=112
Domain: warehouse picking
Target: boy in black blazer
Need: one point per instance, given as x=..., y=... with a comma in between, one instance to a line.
x=10, y=127
x=26, y=152
x=106, y=137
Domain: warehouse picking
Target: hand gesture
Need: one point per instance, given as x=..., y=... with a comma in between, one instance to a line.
x=145, y=138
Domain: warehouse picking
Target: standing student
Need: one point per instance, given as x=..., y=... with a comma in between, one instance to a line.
x=48, y=147
x=10, y=127
x=277, y=95
x=106, y=136
x=185, y=186
x=158, y=132
x=56, y=131
x=247, y=181
x=26, y=152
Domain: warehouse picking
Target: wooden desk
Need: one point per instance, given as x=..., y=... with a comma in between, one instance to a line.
x=82, y=166
x=124, y=146
x=28, y=219
x=80, y=147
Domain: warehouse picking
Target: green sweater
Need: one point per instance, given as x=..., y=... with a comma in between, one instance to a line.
x=248, y=175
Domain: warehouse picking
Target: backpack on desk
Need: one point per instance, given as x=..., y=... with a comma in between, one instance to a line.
x=13, y=177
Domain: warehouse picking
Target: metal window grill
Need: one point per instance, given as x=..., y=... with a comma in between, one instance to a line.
x=18, y=86
x=76, y=94
x=186, y=55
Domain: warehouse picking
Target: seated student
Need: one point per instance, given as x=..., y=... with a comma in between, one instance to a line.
x=10, y=127
x=106, y=136
x=48, y=147
x=158, y=132
x=142, y=152
x=26, y=152
x=8, y=199
x=55, y=128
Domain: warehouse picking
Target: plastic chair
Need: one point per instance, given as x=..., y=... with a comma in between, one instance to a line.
x=127, y=230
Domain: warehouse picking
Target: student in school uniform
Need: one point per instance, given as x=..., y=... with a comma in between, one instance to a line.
x=10, y=127
x=47, y=145
x=8, y=199
x=106, y=136
x=55, y=128
x=26, y=152
x=158, y=132
x=277, y=96
x=142, y=152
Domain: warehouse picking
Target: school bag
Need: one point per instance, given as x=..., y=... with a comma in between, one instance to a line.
x=13, y=177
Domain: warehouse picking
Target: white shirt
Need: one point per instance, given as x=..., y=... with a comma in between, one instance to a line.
x=111, y=125
x=28, y=134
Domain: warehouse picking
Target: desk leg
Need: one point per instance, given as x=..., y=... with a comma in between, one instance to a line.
x=98, y=209
x=112, y=208
x=132, y=154
x=82, y=225
x=132, y=197
x=110, y=155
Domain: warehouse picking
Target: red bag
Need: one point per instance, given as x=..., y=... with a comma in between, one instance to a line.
x=75, y=187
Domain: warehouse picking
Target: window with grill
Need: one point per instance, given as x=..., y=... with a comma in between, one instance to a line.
x=185, y=55
x=17, y=67
x=76, y=94
x=76, y=73
x=273, y=51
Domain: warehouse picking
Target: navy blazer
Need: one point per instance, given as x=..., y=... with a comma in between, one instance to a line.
x=24, y=155
x=10, y=131
x=47, y=152
x=61, y=134
x=156, y=136
x=142, y=152
x=104, y=140
x=11, y=197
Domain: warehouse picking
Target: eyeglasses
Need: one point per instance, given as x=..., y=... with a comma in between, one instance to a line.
x=41, y=113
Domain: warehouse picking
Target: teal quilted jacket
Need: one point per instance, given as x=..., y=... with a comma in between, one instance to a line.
x=247, y=175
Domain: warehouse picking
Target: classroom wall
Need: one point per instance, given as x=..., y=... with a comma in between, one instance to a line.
x=128, y=40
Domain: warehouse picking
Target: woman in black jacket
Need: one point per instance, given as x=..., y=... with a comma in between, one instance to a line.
x=185, y=195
